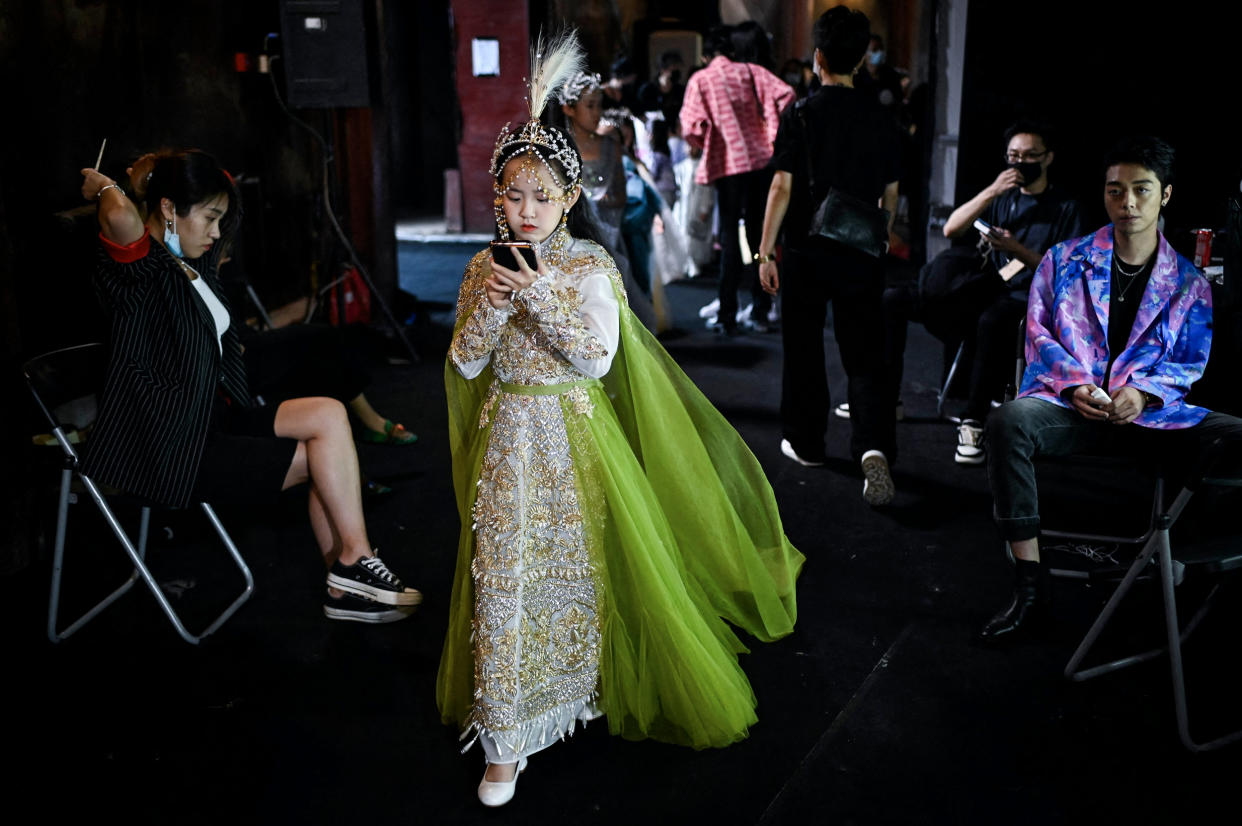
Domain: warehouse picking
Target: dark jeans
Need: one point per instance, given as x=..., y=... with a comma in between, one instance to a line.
x=1023, y=429
x=854, y=282
x=738, y=197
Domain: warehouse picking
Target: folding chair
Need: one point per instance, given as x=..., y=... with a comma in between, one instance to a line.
x=1211, y=558
x=70, y=374
x=948, y=381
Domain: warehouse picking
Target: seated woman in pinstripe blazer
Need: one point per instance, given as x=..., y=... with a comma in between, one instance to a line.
x=176, y=423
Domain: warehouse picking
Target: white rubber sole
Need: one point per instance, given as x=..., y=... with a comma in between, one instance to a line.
x=407, y=597
x=878, y=486
x=368, y=617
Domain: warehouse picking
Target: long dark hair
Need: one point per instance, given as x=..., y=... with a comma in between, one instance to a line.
x=580, y=220
x=188, y=177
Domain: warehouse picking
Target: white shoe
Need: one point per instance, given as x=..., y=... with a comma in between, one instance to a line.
x=878, y=488
x=710, y=310
x=970, y=448
x=843, y=410
x=500, y=792
x=788, y=450
x=744, y=313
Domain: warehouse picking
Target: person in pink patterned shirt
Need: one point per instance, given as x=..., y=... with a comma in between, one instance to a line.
x=731, y=112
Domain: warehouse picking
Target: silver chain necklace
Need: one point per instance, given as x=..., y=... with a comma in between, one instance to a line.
x=1132, y=276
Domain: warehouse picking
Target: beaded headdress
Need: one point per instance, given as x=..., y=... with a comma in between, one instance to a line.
x=552, y=64
x=577, y=87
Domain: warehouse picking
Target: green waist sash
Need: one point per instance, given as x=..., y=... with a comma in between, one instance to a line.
x=545, y=389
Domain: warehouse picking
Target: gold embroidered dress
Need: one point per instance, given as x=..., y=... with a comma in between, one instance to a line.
x=536, y=626
x=611, y=519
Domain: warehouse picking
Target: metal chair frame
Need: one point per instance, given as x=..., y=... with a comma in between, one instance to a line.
x=1158, y=549
x=135, y=552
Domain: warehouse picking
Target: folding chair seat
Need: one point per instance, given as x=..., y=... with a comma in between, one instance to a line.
x=67, y=375
x=1214, y=559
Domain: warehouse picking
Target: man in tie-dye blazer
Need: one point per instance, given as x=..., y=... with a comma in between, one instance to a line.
x=1118, y=328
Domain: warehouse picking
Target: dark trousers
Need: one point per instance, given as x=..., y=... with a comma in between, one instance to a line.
x=739, y=197
x=1023, y=429
x=994, y=353
x=986, y=321
x=854, y=282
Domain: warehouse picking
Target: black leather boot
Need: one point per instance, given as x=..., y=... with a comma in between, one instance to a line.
x=1029, y=609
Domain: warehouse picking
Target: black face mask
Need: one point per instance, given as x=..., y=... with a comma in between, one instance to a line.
x=1029, y=170
x=675, y=76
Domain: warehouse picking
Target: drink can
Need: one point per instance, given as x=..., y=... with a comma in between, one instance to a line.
x=1203, y=247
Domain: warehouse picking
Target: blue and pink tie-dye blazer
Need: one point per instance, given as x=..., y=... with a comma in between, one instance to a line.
x=1067, y=330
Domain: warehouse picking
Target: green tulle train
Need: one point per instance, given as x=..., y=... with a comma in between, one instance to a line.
x=684, y=533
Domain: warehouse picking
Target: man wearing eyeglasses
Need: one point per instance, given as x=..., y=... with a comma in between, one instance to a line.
x=1025, y=215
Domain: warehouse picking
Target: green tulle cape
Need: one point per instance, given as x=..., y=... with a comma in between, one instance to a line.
x=684, y=531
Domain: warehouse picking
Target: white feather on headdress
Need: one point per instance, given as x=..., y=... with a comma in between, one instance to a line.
x=552, y=63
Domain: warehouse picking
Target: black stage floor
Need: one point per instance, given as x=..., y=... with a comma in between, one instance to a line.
x=880, y=709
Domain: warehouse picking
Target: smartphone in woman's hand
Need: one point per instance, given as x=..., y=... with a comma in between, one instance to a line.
x=504, y=255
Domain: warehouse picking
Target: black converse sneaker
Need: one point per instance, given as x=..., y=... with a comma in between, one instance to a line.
x=370, y=578
x=357, y=609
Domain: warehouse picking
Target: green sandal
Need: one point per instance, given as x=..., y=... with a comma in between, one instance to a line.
x=394, y=434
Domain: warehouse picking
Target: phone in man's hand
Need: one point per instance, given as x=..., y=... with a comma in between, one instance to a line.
x=983, y=227
x=504, y=255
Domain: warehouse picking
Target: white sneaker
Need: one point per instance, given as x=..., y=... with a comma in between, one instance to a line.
x=744, y=313
x=788, y=450
x=970, y=448
x=710, y=310
x=843, y=410
x=878, y=485
x=500, y=792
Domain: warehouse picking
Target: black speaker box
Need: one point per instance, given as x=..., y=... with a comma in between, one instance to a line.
x=325, y=53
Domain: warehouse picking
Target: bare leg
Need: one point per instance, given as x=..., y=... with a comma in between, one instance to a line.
x=368, y=415
x=1025, y=549
x=326, y=457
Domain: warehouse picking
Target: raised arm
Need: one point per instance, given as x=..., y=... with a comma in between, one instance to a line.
x=478, y=322
x=582, y=323
x=964, y=216
x=119, y=219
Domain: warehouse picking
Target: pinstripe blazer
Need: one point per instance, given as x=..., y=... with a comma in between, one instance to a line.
x=163, y=370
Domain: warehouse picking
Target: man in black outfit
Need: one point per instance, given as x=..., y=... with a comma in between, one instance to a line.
x=842, y=139
x=988, y=297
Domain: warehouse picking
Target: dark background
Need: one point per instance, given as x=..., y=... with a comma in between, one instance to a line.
x=1097, y=72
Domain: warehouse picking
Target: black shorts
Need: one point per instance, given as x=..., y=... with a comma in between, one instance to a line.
x=244, y=461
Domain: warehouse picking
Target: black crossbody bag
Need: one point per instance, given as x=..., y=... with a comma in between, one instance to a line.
x=840, y=216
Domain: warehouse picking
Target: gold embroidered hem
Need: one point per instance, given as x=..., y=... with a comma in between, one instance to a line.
x=534, y=735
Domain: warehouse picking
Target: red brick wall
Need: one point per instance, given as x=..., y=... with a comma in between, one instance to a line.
x=487, y=103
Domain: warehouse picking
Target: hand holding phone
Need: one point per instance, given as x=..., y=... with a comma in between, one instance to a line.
x=1098, y=395
x=505, y=254
x=983, y=226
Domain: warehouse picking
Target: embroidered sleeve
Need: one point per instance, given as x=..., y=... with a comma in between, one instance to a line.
x=582, y=322
x=478, y=334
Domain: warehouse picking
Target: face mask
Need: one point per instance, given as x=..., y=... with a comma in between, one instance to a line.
x=675, y=76
x=1029, y=170
x=171, y=239
x=876, y=58
x=793, y=78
